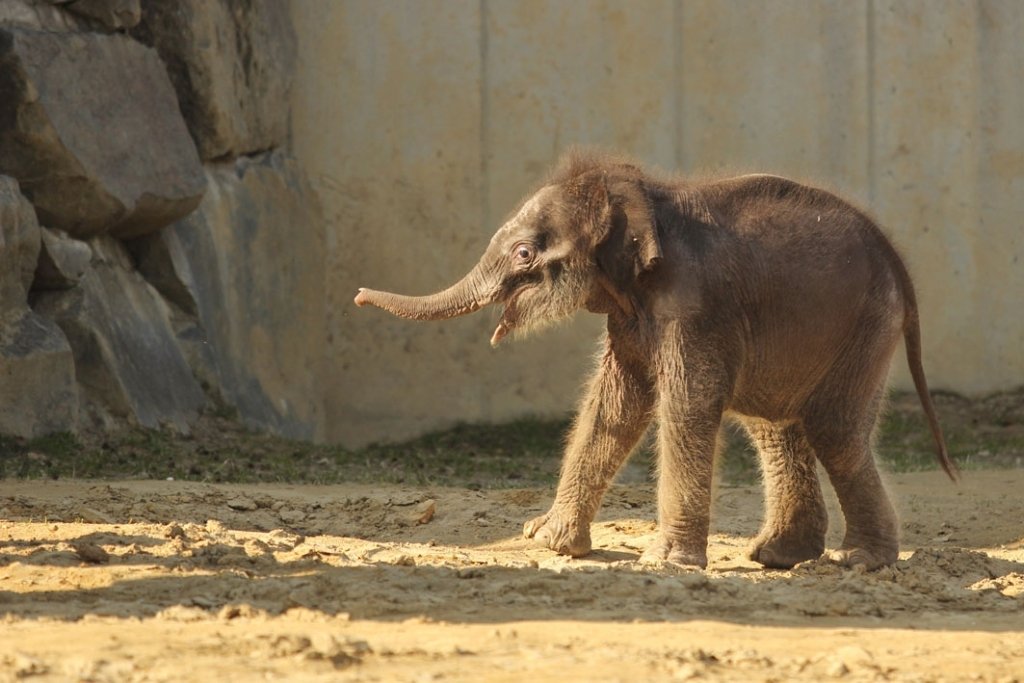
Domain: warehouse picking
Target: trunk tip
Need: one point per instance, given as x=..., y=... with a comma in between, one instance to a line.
x=361, y=297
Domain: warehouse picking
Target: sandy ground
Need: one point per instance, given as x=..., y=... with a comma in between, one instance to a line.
x=171, y=581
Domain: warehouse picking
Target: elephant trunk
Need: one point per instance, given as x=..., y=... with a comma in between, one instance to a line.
x=467, y=295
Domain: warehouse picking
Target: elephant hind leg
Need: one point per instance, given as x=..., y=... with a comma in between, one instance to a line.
x=872, y=529
x=839, y=421
x=841, y=436
x=795, y=518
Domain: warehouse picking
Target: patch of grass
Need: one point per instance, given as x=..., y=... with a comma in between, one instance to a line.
x=36, y=458
x=522, y=453
x=982, y=433
x=985, y=433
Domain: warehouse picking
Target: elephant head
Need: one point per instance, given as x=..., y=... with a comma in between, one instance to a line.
x=581, y=241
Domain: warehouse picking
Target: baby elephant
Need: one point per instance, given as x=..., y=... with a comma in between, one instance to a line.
x=777, y=304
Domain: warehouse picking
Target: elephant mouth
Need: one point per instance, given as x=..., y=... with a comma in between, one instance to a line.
x=509, y=317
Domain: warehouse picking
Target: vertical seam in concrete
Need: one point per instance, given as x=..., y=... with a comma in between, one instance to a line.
x=485, y=115
x=872, y=142
x=677, y=81
x=978, y=97
x=487, y=410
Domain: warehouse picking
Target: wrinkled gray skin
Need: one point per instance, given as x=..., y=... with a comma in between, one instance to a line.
x=755, y=297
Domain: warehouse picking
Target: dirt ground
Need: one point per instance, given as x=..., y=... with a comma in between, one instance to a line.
x=175, y=581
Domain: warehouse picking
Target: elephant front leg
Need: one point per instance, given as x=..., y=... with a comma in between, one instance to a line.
x=690, y=406
x=613, y=415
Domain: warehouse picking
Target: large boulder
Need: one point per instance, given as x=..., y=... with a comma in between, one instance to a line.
x=127, y=358
x=38, y=394
x=90, y=126
x=37, y=373
x=232, y=63
x=110, y=14
x=39, y=15
x=19, y=246
x=260, y=341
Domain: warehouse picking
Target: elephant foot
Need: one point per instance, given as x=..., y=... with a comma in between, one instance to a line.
x=665, y=549
x=777, y=551
x=869, y=559
x=553, y=531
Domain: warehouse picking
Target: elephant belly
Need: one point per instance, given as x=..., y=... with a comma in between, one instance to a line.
x=792, y=350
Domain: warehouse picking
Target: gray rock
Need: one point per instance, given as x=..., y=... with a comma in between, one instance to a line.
x=38, y=394
x=261, y=337
x=242, y=504
x=127, y=359
x=37, y=373
x=90, y=126
x=164, y=261
x=38, y=15
x=62, y=261
x=111, y=14
x=19, y=246
x=232, y=63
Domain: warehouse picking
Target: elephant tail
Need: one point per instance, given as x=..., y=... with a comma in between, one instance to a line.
x=912, y=340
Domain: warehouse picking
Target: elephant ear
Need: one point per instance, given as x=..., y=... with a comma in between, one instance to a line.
x=629, y=246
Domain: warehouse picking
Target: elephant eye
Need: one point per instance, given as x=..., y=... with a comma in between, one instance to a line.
x=524, y=252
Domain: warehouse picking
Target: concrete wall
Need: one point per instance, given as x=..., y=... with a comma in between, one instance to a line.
x=421, y=123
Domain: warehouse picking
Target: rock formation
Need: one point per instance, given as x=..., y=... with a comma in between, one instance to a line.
x=231, y=62
x=98, y=150
x=136, y=285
